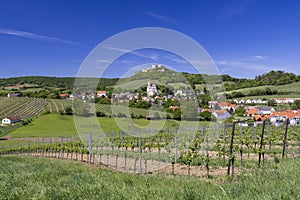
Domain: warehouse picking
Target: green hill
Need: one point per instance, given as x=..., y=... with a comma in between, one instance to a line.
x=55, y=82
x=288, y=90
x=279, y=83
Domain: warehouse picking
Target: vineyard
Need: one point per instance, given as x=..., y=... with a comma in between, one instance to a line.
x=212, y=150
x=31, y=107
x=58, y=105
x=23, y=107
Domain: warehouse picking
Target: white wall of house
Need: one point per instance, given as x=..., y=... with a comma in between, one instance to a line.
x=6, y=121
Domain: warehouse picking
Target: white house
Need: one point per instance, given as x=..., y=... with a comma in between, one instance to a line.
x=6, y=121
x=10, y=120
x=262, y=110
x=248, y=101
x=242, y=101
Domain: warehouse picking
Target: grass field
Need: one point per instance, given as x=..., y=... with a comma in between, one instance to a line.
x=51, y=125
x=55, y=125
x=38, y=178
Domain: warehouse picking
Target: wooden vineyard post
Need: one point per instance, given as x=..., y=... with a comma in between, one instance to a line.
x=207, y=158
x=113, y=143
x=146, y=170
x=241, y=145
x=100, y=155
x=149, y=144
x=90, y=148
x=18, y=149
x=269, y=135
x=255, y=130
x=125, y=162
x=175, y=144
x=82, y=150
x=285, y=137
x=28, y=153
x=140, y=153
x=50, y=154
x=231, y=158
x=224, y=144
x=123, y=138
x=61, y=156
x=261, y=144
x=202, y=143
x=117, y=161
x=159, y=148
x=43, y=145
x=107, y=154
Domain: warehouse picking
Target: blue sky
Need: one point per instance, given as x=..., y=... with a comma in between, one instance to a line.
x=244, y=38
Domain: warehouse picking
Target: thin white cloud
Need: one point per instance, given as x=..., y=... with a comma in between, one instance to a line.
x=117, y=49
x=143, y=55
x=205, y=62
x=177, y=60
x=35, y=36
x=261, y=57
x=151, y=56
x=102, y=61
x=161, y=17
x=154, y=57
x=128, y=62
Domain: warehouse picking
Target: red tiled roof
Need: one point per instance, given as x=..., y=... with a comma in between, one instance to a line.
x=63, y=95
x=101, y=91
x=220, y=111
x=224, y=104
x=13, y=118
x=174, y=107
x=252, y=111
x=288, y=113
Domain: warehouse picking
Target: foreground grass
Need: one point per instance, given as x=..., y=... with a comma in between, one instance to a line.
x=37, y=178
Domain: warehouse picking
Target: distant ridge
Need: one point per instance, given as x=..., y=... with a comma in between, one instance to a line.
x=272, y=78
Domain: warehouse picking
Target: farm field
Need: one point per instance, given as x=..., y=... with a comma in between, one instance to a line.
x=28, y=177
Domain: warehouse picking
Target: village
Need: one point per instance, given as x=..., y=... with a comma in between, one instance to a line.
x=242, y=110
x=245, y=110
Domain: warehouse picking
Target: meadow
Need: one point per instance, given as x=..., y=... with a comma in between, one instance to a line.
x=56, y=125
x=39, y=178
